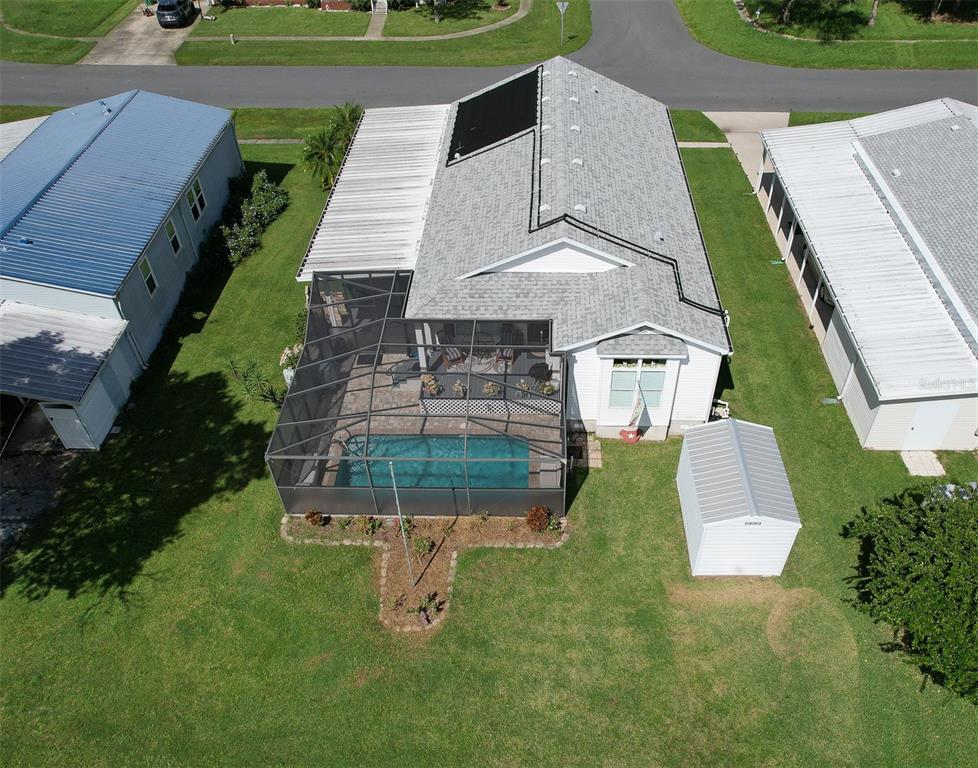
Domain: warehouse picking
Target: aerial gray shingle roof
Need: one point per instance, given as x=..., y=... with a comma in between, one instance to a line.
x=642, y=344
x=601, y=169
x=932, y=170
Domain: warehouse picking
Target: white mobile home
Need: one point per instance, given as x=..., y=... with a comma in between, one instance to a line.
x=738, y=510
x=880, y=231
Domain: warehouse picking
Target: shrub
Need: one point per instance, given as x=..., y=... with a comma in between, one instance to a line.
x=538, y=518
x=260, y=208
x=407, y=522
x=368, y=525
x=428, y=607
x=312, y=4
x=313, y=517
x=918, y=572
x=255, y=384
x=422, y=546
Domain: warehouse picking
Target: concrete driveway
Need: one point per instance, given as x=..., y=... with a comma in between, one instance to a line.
x=138, y=40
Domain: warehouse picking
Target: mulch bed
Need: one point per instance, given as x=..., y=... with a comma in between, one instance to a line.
x=406, y=606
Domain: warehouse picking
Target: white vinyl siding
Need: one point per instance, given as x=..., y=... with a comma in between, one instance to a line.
x=860, y=403
x=838, y=351
x=583, y=376
x=563, y=257
x=697, y=384
x=736, y=548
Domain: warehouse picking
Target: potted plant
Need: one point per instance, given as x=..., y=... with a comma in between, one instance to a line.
x=458, y=388
x=432, y=387
x=548, y=388
x=524, y=386
x=491, y=389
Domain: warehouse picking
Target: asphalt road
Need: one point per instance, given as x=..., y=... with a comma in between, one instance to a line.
x=642, y=43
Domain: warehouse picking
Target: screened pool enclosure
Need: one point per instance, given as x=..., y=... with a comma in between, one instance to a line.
x=445, y=416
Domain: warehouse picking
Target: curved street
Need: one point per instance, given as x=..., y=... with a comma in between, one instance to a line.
x=641, y=43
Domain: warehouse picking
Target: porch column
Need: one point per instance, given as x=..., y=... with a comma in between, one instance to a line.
x=770, y=194
x=760, y=171
x=791, y=236
x=801, y=269
x=784, y=204
x=811, y=310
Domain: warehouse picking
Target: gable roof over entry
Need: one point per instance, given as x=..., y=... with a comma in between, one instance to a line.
x=85, y=191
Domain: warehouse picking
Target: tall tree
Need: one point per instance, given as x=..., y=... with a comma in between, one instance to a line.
x=872, y=13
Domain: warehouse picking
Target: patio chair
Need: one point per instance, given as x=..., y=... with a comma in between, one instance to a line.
x=449, y=350
x=506, y=353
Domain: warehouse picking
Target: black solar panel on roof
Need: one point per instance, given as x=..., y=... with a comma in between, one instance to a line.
x=495, y=115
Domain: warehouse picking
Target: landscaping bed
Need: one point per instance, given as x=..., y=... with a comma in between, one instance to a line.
x=416, y=597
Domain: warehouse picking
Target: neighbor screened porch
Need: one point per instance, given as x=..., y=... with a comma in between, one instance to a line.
x=460, y=416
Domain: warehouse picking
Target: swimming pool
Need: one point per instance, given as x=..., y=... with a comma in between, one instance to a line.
x=438, y=474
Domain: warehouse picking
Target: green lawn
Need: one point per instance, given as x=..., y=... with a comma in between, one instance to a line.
x=690, y=125
x=412, y=23
x=156, y=618
x=533, y=38
x=896, y=20
x=262, y=123
x=11, y=112
x=716, y=24
x=809, y=118
x=282, y=20
x=67, y=18
x=41, y=50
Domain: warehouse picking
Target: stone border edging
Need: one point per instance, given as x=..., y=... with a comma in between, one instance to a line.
x=452, y=566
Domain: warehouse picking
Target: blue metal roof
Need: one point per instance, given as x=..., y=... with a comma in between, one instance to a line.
x=84, y=193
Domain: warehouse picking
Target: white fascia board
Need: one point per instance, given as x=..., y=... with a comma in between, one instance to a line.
x=537, y=249
x=652, y=327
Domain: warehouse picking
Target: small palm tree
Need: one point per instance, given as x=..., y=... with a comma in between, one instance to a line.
x=323, y=151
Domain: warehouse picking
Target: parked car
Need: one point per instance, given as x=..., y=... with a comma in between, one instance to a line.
x=175, y=13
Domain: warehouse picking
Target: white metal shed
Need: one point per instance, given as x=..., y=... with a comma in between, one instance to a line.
x=738, y=509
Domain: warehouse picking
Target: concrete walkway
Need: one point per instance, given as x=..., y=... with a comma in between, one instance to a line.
x=375, y=32
x=741, y=130
x=139, y=39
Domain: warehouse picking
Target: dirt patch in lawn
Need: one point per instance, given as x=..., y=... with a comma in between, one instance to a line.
x=415, y=587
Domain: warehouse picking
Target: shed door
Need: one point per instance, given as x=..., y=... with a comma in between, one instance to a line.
x=68, y=426
x=930, y=424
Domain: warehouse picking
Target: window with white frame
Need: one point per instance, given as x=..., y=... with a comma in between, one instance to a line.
x=195, y=199
x=630, y=378
x=171, y=233
x=147, y=273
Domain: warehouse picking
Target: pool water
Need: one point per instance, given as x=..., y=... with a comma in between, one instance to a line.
x=438, y=474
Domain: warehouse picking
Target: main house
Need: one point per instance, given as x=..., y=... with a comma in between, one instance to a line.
x=879, y=219
x=542, y=266
x=104, y=207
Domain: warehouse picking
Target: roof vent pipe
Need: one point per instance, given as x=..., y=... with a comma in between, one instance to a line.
x=578, y=161
x=580, y=207
x=576, y=128
x=573, y=100
x=896, y=173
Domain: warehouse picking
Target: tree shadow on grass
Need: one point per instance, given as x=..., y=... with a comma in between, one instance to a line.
x=184, y=445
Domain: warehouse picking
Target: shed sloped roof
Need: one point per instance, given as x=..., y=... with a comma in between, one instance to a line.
x=738, y=472
x=49, y=354
x=906, y=335
x=88, y=188
x=375, y=215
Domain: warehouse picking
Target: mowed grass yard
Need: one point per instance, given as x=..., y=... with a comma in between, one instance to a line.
x=717, y=25
x=62, y=18
x=533, y=38
x=281, y=20
x=157, y=618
